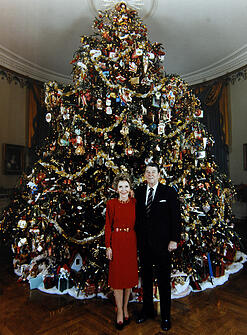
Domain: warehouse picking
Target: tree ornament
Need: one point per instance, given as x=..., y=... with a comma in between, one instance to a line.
x=125, y=130
x=161, y=128
x=129, y=151
x=80, y=150
x=48, y=117
x=22, y=224
x=108, y=110
x=99, y=104
x=108, y=102
x=144, y=110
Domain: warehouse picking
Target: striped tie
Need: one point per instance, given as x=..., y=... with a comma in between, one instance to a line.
x=149, y=202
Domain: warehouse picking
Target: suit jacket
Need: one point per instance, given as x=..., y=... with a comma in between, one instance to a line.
x=164, y=224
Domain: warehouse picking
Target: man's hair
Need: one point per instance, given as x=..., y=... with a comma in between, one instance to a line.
x=154, y=165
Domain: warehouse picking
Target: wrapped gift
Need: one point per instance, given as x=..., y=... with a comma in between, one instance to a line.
x=63, y=284
x=219, y=269
x=35, y=282
x=90, y=289
x=195, y=285
x=49, y=282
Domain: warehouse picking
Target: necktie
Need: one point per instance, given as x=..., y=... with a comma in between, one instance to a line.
x=149, y=202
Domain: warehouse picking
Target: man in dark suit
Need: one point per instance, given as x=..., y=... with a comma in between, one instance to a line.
x=158, y=228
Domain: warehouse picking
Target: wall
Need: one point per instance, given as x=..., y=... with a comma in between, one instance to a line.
x=13, y=122
x=238, y=109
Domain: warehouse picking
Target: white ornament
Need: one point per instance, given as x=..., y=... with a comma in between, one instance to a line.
x=48, y=117
x=206, y=208
x=108, y=110
x=22, y=242
x=145, y=63
x=161, y=128
x=94, y=54
x=108, y=102
x=22, y=224
x=150, y=55
x=78, y=139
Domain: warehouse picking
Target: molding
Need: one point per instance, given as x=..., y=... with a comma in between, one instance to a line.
x=225, y=66
x=11, y=76
x=12, y=61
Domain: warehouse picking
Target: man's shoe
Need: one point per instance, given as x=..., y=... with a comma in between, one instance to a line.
x=165, y=325
x=143, y=316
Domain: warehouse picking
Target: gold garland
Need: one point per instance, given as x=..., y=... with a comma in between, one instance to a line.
x=175, y=132
x=72, y=239
x=80, y=173
x=103, y=130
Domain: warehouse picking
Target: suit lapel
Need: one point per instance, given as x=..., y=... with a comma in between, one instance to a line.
x=143, y=193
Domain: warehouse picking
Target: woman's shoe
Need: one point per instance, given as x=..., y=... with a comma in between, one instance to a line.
x=119, y=325
x=126, y=321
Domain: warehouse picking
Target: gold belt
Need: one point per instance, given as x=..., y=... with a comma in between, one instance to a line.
x=122, y=229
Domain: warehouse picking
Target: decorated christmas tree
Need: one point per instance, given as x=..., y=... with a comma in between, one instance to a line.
x=121, y=112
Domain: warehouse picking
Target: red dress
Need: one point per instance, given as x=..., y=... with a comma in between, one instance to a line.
x=123, y=271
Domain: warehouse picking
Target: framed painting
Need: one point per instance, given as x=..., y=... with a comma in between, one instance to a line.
x=13, y=159
x=245, y=155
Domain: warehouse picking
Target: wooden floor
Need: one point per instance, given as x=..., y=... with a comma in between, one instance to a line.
x=219, y=311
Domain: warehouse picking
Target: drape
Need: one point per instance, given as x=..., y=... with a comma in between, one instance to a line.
x=33, y=108
x=214, y=100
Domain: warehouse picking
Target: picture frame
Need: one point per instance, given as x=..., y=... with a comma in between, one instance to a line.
x=13, y=159
x=245, y=155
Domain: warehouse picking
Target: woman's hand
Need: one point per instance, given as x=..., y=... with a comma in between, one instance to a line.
x=109, y=253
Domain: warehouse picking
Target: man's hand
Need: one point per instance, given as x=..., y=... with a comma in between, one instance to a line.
x=172, y=246
x=109, y=253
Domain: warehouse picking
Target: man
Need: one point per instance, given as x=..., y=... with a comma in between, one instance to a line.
x=158, y=227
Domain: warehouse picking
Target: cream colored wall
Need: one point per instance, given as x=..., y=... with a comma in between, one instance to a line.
x=13, y=122
x=238, y=106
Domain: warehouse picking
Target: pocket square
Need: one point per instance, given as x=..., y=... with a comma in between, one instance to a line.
x=162, y=200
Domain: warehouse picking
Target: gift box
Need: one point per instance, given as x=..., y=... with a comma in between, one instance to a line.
x=219, y=270
x=90, y=289
x=195, y=285
x=64, y=284
x=35, y=282
x=49, y=282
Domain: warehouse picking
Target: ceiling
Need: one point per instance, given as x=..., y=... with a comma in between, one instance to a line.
x=203, y=39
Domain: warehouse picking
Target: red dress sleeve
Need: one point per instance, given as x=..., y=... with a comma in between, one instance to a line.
x=108, y=223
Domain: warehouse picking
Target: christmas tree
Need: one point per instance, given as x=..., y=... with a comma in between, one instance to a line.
x=121, y=112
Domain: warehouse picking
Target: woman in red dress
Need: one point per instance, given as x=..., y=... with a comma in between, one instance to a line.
x=121, y=250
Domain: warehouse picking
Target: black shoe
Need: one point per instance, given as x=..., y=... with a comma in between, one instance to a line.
x=126, y=321
x=143, y=316
x=165, y=325
x=119, y=325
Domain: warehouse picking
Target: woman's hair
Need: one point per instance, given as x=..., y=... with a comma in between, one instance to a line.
x=121, y=177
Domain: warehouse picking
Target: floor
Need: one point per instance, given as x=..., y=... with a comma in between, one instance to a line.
x=218, y=311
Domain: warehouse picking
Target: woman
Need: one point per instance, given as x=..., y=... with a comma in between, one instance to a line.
x=120, y=240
